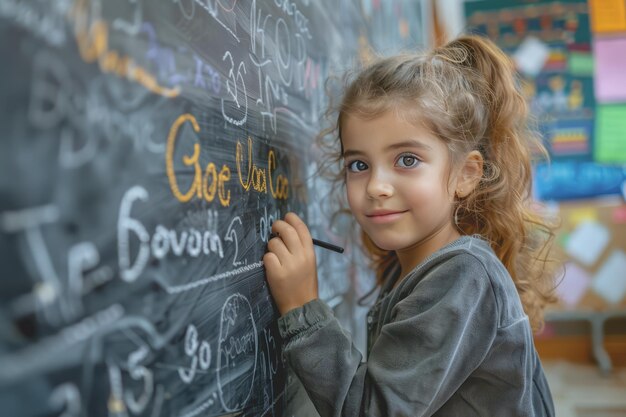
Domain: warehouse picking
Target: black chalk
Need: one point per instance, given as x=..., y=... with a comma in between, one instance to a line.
x=319, y=243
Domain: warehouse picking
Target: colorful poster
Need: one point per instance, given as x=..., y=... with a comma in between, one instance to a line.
x=608, y=15
x=611, y=133
x=550, y=42
x=610, y=56
x=562, y=85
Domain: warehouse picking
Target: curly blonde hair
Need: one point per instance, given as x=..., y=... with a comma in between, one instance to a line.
x=467, y=94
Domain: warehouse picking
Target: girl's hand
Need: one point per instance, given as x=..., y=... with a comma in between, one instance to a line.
x=290, y=264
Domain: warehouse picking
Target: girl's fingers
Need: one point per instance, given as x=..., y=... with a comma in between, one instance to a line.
x=301, y=229
x=277, y=246
x=271, y=261
x=288, y=235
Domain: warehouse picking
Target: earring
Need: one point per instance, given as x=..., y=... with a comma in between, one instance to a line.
x=456, y=217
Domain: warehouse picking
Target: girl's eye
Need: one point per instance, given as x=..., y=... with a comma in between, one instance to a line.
x=357, y=166
x=407, y=161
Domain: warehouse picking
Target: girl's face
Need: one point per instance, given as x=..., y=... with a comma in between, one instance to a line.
x=397, y=183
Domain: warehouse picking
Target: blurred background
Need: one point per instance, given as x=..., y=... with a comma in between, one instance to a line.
x=571, y=56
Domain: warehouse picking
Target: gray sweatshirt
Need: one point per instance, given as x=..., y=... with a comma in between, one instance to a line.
x=451, y=339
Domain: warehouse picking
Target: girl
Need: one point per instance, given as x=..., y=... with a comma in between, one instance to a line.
x=436, y=160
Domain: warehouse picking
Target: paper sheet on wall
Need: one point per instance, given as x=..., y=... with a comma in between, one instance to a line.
x=583, y=214
x=587, y=242
x=610, y=145
x=573, y=285
x=531, y=56
x=619, y=215
x=610, y=281
x=581, y=64
x=609, y=80
x=607, y=15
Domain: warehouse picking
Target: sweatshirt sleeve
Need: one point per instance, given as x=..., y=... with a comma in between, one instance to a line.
x=438, y=335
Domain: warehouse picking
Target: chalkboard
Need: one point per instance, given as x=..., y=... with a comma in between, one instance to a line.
x=145, y=149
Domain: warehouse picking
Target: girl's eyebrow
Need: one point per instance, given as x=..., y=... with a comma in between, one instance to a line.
x=409, y=143
x=351, y=152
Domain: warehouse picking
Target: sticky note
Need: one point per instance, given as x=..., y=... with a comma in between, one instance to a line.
x=609, y=80
x=573, y=285
x=587, y=242
x=610, y=281
x=580, y=64
x=619, y=214
x=530, y=56
x=610, y=137
x=583, y=214
x=607, y=15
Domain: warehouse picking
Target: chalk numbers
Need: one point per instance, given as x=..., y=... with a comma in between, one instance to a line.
x=199, y=353
x=231, y=236
x=236, y=88
x=138, y=403
x=66, y=397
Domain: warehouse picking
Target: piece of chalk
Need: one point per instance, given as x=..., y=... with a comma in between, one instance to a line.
x=319, y=243
x=327, y=245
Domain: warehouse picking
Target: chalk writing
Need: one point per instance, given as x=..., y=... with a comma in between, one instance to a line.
x=257, y=178
x=85, y=120
x=46, y=24
x=265, y=223
x=93, y=45
x=191, y=242
x=215, y=8
x=231, y=236
x=66, y=398
x=81, y=257
x=288, y=58
x=129, y=272
x=176, y=289
x=130, y=28
x=200, y=354
x=30, y=222
x=137, y=404
x=236, y=88
x=237, y=351
x=205, y=186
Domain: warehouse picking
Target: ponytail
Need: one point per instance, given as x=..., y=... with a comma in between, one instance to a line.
x=500, y=209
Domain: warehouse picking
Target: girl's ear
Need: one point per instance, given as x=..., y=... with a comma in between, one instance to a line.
x=469, y=174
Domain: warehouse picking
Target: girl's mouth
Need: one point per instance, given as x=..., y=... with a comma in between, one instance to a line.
x=385, y=216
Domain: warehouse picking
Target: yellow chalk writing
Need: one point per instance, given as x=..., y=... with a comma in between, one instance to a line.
x=281, y=192
x=205, y=186
x=93, y=45
x=258, y=178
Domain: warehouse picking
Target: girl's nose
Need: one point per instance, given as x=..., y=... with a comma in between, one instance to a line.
x=379, y=186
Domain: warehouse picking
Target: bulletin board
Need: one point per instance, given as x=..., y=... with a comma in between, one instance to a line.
x=565, y=72
x=550, y=41
x=591, y=284
x=591, y=243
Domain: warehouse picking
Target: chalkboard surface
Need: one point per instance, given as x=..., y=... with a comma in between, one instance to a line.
x=145, y=149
